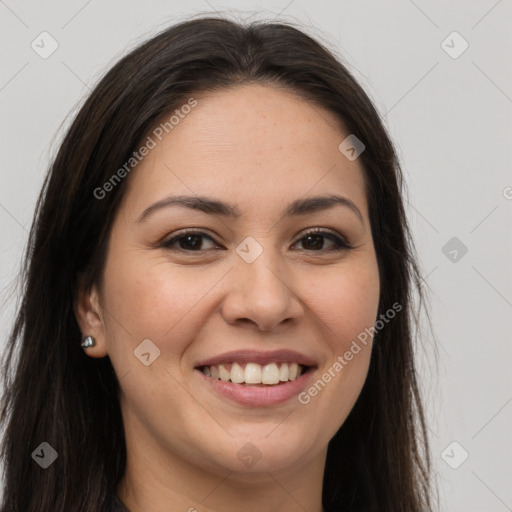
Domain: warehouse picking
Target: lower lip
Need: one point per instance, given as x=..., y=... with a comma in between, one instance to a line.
x=259, y=396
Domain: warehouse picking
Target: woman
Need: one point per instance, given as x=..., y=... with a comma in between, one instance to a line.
x=224, y=221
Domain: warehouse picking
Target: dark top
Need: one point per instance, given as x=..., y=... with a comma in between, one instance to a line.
x=114, y=504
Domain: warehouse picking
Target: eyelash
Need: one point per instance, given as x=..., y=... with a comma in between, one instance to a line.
x=340, y=243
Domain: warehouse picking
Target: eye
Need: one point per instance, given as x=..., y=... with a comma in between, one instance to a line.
x=189, y=241
x=312, y=240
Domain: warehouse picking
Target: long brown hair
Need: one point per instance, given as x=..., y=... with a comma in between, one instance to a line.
x=54, y=393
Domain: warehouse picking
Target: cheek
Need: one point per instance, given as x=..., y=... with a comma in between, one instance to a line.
x=345, y=302
x=151, y=298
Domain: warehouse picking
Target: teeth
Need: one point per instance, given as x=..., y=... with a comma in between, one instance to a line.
x=270, y=374
x=283, y=372
x=253, y=373
x=293, y=371
x=223, y=373
x=237, y=374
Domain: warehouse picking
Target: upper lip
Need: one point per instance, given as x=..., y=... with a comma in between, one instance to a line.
x=259, y=357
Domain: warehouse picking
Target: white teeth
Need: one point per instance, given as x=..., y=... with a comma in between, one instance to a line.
x=270, y=374
x=292, y=371
x=283, y=373
x=223, y=373
x=237, y=373
x=253, y=373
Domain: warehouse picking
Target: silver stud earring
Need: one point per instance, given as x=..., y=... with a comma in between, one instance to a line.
x=88, y=341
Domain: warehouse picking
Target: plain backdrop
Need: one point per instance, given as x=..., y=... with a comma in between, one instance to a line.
x=447, y=101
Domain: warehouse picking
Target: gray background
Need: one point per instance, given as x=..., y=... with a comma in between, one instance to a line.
x=450, y=119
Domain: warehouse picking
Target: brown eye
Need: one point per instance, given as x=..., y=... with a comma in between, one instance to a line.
x=314, y=241
x=189, y=241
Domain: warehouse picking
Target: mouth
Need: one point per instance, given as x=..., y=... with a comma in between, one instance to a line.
x=254, y=378
x=254, y=374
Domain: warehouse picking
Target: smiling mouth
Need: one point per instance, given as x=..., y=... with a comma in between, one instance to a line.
x=254, y=374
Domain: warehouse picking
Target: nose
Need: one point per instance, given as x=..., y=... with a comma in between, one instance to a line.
x=261, y=294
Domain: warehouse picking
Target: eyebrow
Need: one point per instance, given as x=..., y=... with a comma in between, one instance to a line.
x=215, y=207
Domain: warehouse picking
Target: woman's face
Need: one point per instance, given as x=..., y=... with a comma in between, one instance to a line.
x=252, y=289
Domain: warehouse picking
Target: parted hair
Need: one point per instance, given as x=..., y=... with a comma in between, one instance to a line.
x=379, y=458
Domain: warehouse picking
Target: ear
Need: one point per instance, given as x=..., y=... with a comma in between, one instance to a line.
x=90, y=318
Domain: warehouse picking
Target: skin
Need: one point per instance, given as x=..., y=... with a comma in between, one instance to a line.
x=258, y=148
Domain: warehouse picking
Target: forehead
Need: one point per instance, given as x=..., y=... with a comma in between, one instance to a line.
x=250, y=145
